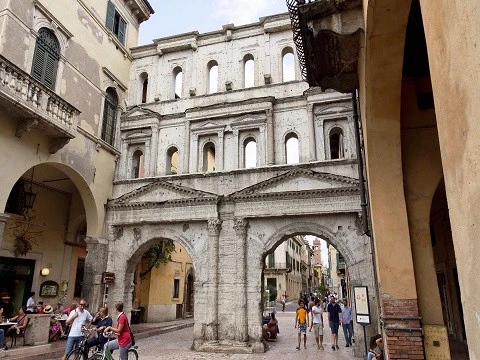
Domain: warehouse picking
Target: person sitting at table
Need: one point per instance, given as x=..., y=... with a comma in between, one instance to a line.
x=40, y=307
x=101, y=321
x=2, y=335
x=70, y=308
x=55, y=329
x=22, y=322
x=270, y=329
x=59, y=309
x=31, y=303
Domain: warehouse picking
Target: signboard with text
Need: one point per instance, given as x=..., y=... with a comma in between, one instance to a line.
x=108, y=278
x=362, y=307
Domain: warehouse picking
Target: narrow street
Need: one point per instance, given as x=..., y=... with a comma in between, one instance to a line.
x=176, y=345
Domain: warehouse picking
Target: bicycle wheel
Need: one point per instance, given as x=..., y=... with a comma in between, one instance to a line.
x=76, y=354
x=132, y=354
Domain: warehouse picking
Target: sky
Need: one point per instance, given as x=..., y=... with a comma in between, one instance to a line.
x=176, y=17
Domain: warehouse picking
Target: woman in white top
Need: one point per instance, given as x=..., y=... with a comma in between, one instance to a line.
x=31, y=303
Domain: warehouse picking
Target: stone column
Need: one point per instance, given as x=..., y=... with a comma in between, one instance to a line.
x=236, y=149
x=312, y=146
x=123, y=164
x=147, y=159
x=3, y=222
x=270, y=138
x=321, y=151
x=214, y=227
x=219, y=162
x=241, y=330
x=186, y=149
x=154, y=151
x=196, y=165
x=95, y=265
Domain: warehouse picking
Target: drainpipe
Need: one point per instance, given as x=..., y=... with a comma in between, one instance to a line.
x=363, y=196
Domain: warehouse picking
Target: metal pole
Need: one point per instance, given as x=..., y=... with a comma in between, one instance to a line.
x=365, y=340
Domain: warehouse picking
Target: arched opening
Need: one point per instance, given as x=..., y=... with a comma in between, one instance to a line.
x=288, y=65
x=172, y=161
x=138, y=164
x=250, y=153
x=163, y=282
x=143, y=89
x=46, y=231
x=178, y=82
x=212, y=80
x=109, y=116
x=209, y=157
x=45, y=58
x=336, y=144
x=307, y=268
x=248, y=71
x=292, y=151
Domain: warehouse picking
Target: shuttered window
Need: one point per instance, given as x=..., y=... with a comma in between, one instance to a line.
x=115, y=23
x=109, y=116
x=45, y=58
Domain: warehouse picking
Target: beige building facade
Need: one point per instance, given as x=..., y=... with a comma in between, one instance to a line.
x=64, y=74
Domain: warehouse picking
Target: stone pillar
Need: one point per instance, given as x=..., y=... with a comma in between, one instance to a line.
x=196, y=165
x=95, y=265
x=219, y=162
x=186, y=149
x=236, y=150
x=312, y=146
x=123, y=165
x=321, y=151
x=3, y=222
x=147, y=159
x=241, y=330
x=270, y=138
x=154, y=151
x=211, y=331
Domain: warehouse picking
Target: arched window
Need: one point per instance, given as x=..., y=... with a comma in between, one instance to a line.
x=45, y=58
x=292, y=153
x=249, y=70
x=138, y=165
x=144, y=87
x=212, y=81
x=109, y=116
x=288, y=64
x=209, y=157
x=172, y=161
x=336, y=144
x=250, y=153
x=178, y=81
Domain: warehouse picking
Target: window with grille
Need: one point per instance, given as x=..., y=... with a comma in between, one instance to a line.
x=116, y=23
x=176, y=288
x=45, y=58
x=109, y=116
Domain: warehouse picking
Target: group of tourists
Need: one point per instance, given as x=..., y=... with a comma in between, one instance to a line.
x=310, y=315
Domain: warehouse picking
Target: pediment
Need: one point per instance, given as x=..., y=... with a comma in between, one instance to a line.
x=299, y=181
x=138, y=111
x=208, y=125
x=248, y=120
x=336, y=109
x=161, y=192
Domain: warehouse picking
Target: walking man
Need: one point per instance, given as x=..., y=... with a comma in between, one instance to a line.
x=317, y=319
x=347, y=322
x=334, y=319
x=77, y=318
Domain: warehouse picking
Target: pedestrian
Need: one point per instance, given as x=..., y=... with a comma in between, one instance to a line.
x=376, y=348
x=31, y=303
x=334, y=319
x=347, y=322
x=301, y=323
x=317, y=320
x=284, y=299
x=77, y=319
x=310, y=305
x=124, y=340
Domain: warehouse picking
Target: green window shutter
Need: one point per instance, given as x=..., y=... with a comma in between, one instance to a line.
x=51, y=65
x=38, y=62
x=122, y=28
x=110, y=16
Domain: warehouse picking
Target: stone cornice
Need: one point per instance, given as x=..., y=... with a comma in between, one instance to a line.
x=297, y=194
x=163, y=204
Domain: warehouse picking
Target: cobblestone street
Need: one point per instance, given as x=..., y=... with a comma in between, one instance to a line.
x=176, y=345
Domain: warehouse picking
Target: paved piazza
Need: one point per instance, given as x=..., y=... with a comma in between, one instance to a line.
x=176, y=345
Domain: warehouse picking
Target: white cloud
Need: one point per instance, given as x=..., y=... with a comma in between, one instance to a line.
x=241, y=12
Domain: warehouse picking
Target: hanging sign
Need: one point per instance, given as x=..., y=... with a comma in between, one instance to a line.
x=362, y=307
x=108, y=278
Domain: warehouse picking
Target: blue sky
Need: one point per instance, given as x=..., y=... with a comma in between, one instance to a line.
x=176, y=17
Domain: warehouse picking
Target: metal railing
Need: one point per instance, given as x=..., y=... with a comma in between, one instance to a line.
x=293, y=6
x=277, y=265
x=34, y=97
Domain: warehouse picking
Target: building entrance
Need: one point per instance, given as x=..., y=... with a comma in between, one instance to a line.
x=16, y=278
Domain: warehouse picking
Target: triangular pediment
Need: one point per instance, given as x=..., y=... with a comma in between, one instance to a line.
x=161, y=192
x=301, y=181
x=208, y=125
x=138, y=111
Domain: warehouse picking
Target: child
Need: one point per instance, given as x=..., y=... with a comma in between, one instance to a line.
x=301, y=319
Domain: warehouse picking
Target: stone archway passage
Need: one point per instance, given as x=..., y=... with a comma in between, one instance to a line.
x=227, y=223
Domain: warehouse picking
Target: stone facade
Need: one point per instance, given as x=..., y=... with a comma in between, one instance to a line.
x=228, y=218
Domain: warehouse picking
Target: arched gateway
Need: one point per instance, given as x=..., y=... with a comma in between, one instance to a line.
x=228, y=222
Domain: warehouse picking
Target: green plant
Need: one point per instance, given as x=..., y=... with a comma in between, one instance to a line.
x=273, y=292
x=24, y=235
x=322, y=289
x=159, y=253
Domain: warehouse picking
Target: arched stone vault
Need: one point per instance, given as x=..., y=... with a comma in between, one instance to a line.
x=228, y=229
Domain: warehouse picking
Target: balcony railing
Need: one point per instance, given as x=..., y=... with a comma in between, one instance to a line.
x=278, y=266
x=35, y=106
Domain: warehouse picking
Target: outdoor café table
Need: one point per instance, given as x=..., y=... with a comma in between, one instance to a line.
x=6, y=325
